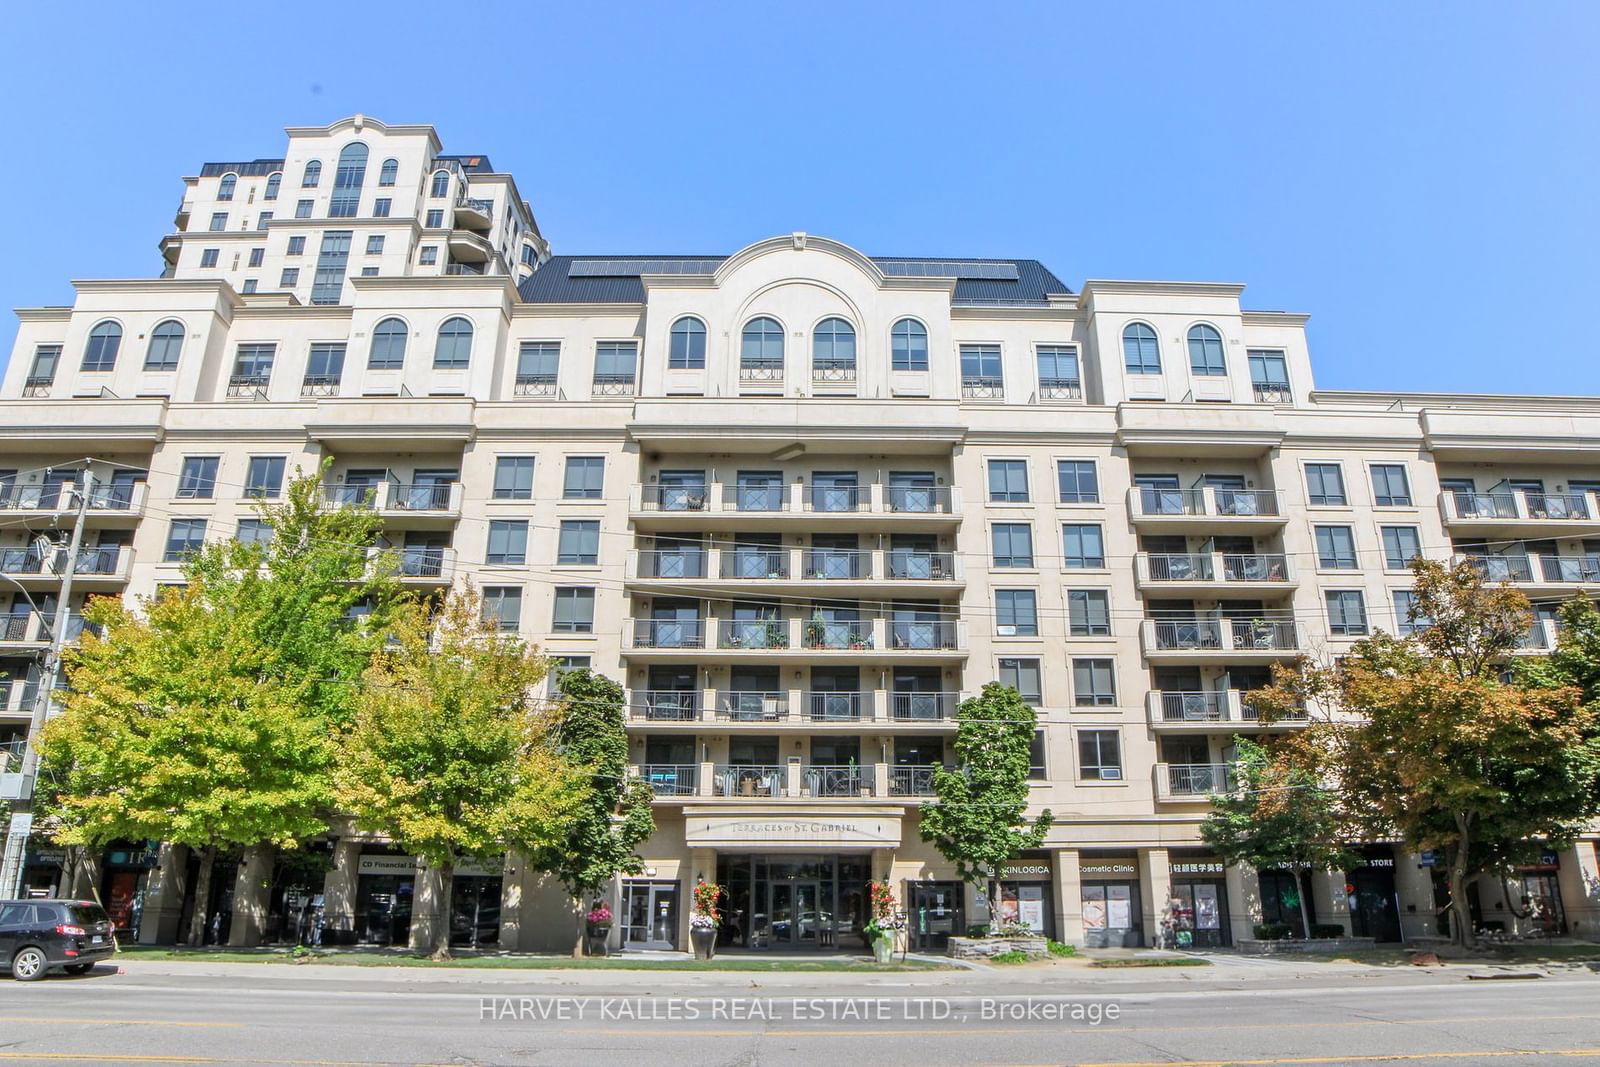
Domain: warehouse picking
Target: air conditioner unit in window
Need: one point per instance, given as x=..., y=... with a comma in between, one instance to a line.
x=1006, y=631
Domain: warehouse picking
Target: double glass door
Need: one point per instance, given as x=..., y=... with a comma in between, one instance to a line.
x=650, y=915
x=796, y=921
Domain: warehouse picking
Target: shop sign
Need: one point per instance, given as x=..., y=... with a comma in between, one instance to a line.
x=723, y=832
x=1380, y=861
x=1109, y=867
x=1428, y=858
x=1197, y=867
x=1025, y=871
x=379, y=864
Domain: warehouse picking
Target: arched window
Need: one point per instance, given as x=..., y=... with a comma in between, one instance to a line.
x=441, y=183
x=454, y=349
x=1140, y=353
x=166, y=340
x=226, y=185
x=312, y=176
x=688, y=342
x=761, y=348
x=347, y=181
x=833, y=346
x=388, y=346
x=908, y=343
x=1205, y=352
x=100, y=354
x=274, y=180
x=389, y=169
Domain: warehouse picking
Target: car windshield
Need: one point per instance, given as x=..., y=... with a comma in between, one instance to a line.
x=86, y=913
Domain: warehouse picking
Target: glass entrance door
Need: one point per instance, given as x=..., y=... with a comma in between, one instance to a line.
x=795, y=917
x=649, y=915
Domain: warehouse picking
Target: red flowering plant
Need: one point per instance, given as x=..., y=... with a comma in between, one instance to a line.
x=705, y=915
x=886, y=916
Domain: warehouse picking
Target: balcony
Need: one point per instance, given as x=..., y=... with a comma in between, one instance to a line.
x=22, y=632
x=670, y=779
x=794, y=710
x=748, y=780
x=613, y=385
x=1272, y=393
x=1520, y=513
x=664, y=705
x=427, y=565
x=1207, y=510
x=474, y=214
x=877, y=640
x=1190, y=782
x=314, y=385
x=791, y=782
x=17, y=697
x=1541, y=637
x=724, y=505
x=1219, y=573
x=37, y=387
x=1221, y=710
x=761, y=377
x=1536, y=573
x=834, y=372
x=924, y=707
x=911, y=781
x=535, y=386
x=248, y=387
x=429, y=504
x=796, y=571
x=95, y=567
x=466, y=246
x=753, y=706
x=983, y=389
x=666, y=634
x=1058, y=390
x=831, y=780
x=121, y=501
x=1215, y=640
x=14, y=784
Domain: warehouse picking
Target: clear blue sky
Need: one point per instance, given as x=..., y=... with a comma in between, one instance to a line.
x=1421, y=178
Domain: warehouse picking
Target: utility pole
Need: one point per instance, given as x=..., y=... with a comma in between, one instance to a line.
x=21, y=827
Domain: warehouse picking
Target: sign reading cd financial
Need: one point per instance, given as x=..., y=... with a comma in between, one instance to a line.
x=728, y=831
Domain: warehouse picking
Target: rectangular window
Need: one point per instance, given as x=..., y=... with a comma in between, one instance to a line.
x=1407, y=619
x=574, y=610
x=302, y=209
x=1099, y=756
x=197, y=479
x=264, y=477
x=1013, y=544
x=1023, y=675
x=369, y=272
x=579, y=543
x=1058, y=372
x=1401, y=545
x=613, y=364
x=538, y=363
x=1037, y=772
x=1089, y=612
x=46, y=358
x=1016, y=613
x=219, y=221
x=1093, y=684
x=502, y=606
x=256, y=256
x=325, y=365
x=252, y=364
x=428, y=256
x=289, y=278
x=1390, y=487
x=380, y=207
x=585, y=478
x=508, y=542
x=374, y=244
x=1336, y=548
x=435, y=218
x=1325, y=485
x=1082, y=546
x=184, y=537
x=250, y=285
x=980, y=371
x=262, y=220
x=1347, y=613
x=1269, y=370
x=333, y=259
x=513, y=478
x=253, y=532
x=208, y=257
x=1078, y=480
x=1008, y=480
x=297, y=246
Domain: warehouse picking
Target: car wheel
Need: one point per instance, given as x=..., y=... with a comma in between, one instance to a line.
x=78, y=968
x=29, y=965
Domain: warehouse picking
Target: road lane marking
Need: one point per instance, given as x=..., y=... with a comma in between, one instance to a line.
x=46, y=1020
x=1389, y=1058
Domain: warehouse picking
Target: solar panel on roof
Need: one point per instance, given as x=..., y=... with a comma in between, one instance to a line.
x=632, y=268
x=936, y=268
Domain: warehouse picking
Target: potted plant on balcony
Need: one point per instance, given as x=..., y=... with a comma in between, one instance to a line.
x=886, y=921
x=705, y=919
x=816, y=630
x=776, y=635
x=598, y=926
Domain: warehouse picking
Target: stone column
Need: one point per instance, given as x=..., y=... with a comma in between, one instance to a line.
x=1333, y=900
x=1579, y=880
x=1067, y=886
x=339, y=893
x=1244, y=900
x=429, y=908
x=1155, y=886
x=163, y=896
x=1414, y=884
x=702, y=864
x=511, y=897
x=252, y=896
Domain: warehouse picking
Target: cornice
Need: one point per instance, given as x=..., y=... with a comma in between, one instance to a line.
x=357, y=123
x=801, y=242
x=1109, y=286
x=1274, y=318
x=45, y=314
x=1488, y=403
x=975, y=313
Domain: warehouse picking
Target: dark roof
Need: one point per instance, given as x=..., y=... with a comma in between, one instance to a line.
x=615, y=279
x=471, y=164
x=256, y=168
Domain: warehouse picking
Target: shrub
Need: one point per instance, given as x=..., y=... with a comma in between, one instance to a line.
x=1060, y=950
x=1327, y=930
x=977, y=929
x=1271, y=931
x=1013, y=956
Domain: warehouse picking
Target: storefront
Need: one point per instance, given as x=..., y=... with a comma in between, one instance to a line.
x=935, y=912
x=1026, y=898
x=1112, y=916
x=1374, y=901
x=386, y=884
x=1281, y=894
x=798, y=901
x=1540, y=909
x=1199, y=901
x=123, y=872
x=475, y=893
x=649, y=915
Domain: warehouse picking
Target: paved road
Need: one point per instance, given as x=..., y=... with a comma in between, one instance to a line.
x=221, y=1013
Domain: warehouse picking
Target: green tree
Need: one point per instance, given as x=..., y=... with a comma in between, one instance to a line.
x=978, y=820
x=1435, y=749
x=204, y=719
x=1279, y=816
x=449, y=754
x=615, y=816
x=1575, y=661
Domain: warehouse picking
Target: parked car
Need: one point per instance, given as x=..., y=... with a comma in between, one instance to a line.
x=37, y=936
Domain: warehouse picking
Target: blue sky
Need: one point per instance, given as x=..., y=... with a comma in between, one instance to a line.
x=1420, y=178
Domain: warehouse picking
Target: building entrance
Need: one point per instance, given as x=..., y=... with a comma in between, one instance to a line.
x=798, y=902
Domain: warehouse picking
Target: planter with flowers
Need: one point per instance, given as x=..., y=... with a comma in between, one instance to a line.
x=704, y=919
x=883, y=929
x=598, y=925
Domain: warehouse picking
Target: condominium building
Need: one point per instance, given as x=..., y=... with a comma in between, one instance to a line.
x=799, y=501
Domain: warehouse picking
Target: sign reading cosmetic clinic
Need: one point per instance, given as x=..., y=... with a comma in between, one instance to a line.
x=730, y=832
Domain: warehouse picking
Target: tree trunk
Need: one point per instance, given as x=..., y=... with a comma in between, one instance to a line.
x=441, y=922
x=1305, y=901
x=580, y=945
x=1461, y=926
x=202, y=896
x=994, y=907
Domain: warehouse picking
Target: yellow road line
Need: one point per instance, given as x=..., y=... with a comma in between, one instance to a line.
x=64, y=1020
x=1390, y=1058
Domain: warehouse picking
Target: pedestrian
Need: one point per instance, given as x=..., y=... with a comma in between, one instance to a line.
x=216, y=928
x=136, y=914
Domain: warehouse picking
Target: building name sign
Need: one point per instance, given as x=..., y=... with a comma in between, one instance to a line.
x=1197, y=867
x=406, y=866
x=1017, y=871
x=1108, y=868
x=844, y=830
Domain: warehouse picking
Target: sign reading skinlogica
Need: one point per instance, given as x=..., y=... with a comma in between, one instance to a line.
x=732, y=832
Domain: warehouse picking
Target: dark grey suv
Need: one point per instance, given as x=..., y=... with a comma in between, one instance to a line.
x=37, y=936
